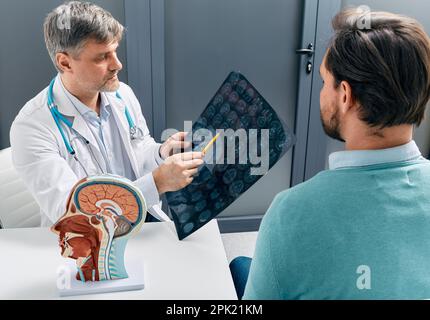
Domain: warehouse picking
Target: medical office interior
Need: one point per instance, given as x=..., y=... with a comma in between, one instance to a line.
x=175, y=55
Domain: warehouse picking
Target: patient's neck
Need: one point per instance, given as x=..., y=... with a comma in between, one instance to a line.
x=362, y=137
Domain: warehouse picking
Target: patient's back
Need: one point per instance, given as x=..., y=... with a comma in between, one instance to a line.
x=354, y=233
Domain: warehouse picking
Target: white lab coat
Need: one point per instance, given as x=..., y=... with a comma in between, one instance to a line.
x=50, y=172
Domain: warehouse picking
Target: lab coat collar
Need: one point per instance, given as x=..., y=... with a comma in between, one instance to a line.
x=63, y=103
x=66, y=108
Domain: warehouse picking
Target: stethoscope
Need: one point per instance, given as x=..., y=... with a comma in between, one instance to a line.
x=135, y=132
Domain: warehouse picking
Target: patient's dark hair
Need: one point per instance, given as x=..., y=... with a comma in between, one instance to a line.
x=386, y=65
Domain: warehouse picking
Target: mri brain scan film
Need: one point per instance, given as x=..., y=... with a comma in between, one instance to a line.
x=236, y=107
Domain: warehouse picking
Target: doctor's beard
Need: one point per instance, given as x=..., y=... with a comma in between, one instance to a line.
x=110, y=85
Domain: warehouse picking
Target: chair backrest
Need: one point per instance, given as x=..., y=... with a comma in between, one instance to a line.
x=18, y=209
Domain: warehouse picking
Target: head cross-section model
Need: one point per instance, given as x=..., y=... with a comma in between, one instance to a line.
x=103, y=212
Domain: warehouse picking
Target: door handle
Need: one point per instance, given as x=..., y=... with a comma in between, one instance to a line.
x=309, y=50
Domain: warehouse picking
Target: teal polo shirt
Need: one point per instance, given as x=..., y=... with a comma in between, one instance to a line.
x=360, y=230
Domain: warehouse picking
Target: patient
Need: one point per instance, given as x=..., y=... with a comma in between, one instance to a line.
x=360, y=230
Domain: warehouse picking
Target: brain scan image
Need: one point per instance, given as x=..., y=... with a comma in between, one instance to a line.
x=103, y=212
x=236, y=105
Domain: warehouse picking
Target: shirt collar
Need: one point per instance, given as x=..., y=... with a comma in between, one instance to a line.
x=360, y=158
x=86, y=112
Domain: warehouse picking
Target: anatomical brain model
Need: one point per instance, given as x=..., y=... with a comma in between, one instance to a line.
x=103, y=212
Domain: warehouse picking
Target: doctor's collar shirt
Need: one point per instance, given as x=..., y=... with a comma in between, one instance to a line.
x=105, y=131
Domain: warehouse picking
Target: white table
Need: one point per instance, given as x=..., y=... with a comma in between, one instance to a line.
x=194, y=268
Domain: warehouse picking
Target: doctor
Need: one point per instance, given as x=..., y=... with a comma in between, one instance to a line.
x=86, y=122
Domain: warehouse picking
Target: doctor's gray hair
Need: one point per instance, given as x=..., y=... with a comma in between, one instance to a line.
x=69, y=26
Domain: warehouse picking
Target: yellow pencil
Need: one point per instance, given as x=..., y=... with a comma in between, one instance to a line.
x=210, y=143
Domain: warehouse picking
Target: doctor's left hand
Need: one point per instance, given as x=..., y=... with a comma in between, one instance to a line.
x=174, y=144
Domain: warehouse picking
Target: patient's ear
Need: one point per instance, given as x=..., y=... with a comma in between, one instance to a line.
x=346, y=100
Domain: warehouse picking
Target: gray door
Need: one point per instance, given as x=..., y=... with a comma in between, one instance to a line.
x=205, y=40
x=320, y=146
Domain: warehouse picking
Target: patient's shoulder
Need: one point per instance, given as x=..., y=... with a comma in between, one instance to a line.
x=307, y=190
x=306, y=203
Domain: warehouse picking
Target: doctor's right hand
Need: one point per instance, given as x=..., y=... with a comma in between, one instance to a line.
x=177, y=171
